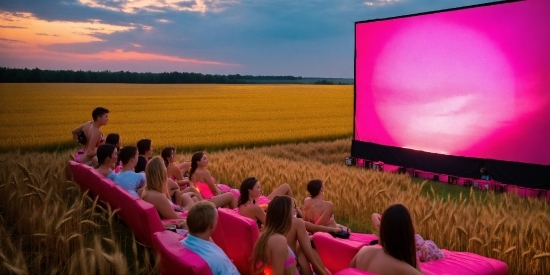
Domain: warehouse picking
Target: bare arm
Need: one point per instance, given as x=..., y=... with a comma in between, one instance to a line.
x=375, y=219
x=208, y=179
x=259, y=213
x=311, y=227
x=176, y=173
x=353, y=263
x=162, y=205
x=77, y=131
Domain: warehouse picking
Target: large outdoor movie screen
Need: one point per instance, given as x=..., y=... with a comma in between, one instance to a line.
x=471, y=82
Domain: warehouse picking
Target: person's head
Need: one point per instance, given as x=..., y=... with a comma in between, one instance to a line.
x=314, y=187
x=168, y=154
x=107, y=154
x=114, y=139
x=202, y=217
x=250, y=190
x=100, y=115
x=197, y=160
x=128, y=155
x=155, y=173
x=145, y=147
x=397, y=234
x=278, y=220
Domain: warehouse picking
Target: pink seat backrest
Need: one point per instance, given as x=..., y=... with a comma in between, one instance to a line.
x=140, y=216
x=236, y=236
x=353, y=271
x=335, y=253
x=107, y=194
x=80, y=174
x=175, y=258
x=150, y=221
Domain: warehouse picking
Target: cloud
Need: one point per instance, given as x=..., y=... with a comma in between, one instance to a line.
x=10, y=40
x=45, y=34
x=135, y=6
x=11, y=27
x=26, y=27
x=379, y=3
x=121, y=55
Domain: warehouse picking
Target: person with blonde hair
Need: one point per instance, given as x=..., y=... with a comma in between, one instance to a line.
x=272, y=255
x=202, y=220
x=156, y=193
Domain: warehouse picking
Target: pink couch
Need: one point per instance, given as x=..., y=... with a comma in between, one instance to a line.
x=236, y=236
x=337, y=254
x=175, y=258
x=141, y=217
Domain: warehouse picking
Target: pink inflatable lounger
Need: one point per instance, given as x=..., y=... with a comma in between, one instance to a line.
x=236, y=236
x=338, y=253
x=175, y=258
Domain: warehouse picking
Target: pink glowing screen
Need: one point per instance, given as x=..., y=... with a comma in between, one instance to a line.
x=471, y=82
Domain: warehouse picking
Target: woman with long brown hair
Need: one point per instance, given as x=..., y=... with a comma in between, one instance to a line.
x=397, y=251
x=272, y=255
x=201, y=177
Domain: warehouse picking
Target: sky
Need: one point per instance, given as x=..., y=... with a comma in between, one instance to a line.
x=309, y=38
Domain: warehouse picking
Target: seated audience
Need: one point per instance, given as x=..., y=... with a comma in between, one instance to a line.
x=272, y=254
x=202, y=220
x=145, y=149
x=251, y=198
x=155, y=191
x=107, y=155
x=316, y=209
x=115, y=140
x=127, y=178
x=90, y=136
x=397, y=253
x=175, y=172
x=200, y=176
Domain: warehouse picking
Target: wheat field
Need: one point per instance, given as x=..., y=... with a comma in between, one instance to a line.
x=48, y=226
x=42, y=116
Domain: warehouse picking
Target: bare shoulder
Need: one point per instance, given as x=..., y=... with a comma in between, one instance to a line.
x=202, y=173
x=369, y=251
x=171, y=169
x=298, y=222
x=154, y=196
x=277, y=242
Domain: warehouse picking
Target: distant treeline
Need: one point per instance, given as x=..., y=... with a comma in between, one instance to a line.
x=13, y=75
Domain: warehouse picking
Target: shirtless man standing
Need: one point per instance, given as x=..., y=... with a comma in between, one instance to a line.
x=90, y=136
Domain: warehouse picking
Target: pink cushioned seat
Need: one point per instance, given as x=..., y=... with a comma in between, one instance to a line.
x=175, y=258
x=336, y=254
x=140, y=216
x=464, y=263
x=236, y=236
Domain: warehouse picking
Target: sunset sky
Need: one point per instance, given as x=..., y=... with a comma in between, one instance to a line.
x=280, y=37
